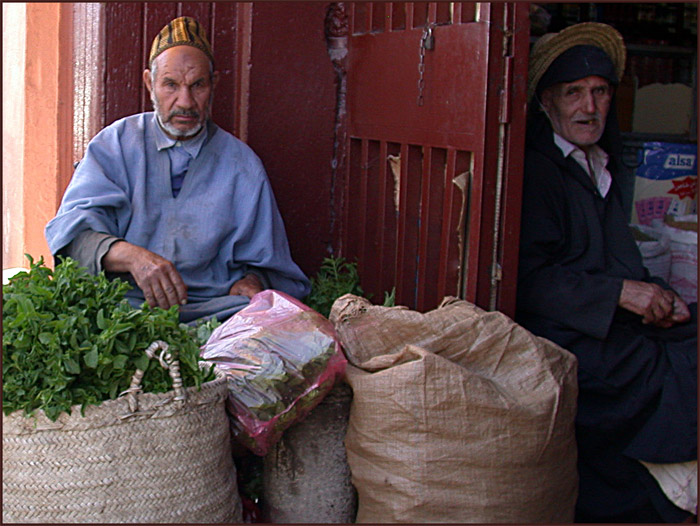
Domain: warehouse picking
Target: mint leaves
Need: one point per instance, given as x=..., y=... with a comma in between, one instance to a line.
x=70, y=338
x=335, y=278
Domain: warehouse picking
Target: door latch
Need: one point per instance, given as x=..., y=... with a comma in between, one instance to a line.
x=428, y=39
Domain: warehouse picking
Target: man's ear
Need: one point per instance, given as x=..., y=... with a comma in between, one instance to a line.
x=545, y=100
x=147, y=79
x=214, y=79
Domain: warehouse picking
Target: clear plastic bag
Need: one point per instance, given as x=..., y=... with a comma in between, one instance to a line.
x=281, y=358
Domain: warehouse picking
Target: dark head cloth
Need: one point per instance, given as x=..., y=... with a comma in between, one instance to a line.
x=183, y=31
x=576, y=63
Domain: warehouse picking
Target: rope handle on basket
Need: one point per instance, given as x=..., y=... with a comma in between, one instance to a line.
x=167, y=362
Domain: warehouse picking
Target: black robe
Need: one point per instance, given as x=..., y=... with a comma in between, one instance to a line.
x=637, y=383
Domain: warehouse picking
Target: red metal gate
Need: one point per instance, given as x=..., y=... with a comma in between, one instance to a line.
x=424, y=184
x=429, y=179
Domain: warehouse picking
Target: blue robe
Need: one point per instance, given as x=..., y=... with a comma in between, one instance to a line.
x=223, y=224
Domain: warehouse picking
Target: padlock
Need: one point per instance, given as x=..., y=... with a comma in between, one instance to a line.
x=428, y=39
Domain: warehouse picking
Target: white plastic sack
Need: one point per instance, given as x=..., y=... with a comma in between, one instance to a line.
x=684, y=255
x=656, y=254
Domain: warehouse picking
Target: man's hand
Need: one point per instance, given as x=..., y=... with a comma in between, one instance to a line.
x=248, y=285
x=157, y=277
x=656, y=305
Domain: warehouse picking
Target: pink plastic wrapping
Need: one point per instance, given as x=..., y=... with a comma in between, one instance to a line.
x=281, y=358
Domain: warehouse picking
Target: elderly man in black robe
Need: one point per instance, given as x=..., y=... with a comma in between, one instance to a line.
x=582, y=284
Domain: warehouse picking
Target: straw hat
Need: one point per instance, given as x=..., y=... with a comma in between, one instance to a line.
x=550, y=46
x=183, y=31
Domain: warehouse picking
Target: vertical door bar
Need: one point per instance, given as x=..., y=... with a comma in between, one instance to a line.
x=456, y=12
x=518, y=23
x=244, y=31
x=432, y=13
x=447, y=221
x=351, y=191
x=371, y=223
x=380, y=217
x=369, y=16
x=424, y=223
x=409, y=14
x=362, y=207
x=391, y=221
x=401, y=273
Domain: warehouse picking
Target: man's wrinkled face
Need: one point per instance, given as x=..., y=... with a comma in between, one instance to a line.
x=181, y=85
x=578, y=110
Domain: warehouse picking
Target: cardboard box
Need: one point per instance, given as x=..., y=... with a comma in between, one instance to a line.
x=663, y=109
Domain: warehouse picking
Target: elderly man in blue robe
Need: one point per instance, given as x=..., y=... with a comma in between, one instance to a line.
x=174, y=204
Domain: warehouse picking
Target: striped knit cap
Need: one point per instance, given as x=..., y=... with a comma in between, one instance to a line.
x=183, y=31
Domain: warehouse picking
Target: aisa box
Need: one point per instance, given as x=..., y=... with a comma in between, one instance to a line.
x=666, y=181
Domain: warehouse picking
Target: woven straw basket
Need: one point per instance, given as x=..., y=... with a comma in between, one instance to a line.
x=142, y=458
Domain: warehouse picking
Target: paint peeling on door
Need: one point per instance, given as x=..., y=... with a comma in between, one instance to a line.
x=395, y=165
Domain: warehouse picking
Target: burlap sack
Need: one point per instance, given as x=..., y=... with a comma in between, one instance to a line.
x=458, y=415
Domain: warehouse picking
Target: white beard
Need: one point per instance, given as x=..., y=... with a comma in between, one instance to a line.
x=172, y=130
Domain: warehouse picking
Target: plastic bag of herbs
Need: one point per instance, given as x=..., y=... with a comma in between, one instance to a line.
x=71, y=338
x=281, y=358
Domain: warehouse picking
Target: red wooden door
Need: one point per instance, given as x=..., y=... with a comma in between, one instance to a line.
x=432, y=175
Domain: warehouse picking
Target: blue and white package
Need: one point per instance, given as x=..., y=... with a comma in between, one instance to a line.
x=666, y=181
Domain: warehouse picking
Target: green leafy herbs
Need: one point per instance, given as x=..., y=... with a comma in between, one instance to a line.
x=70, y=338
x=335, y=278
x=390, y=298
x=203, y=329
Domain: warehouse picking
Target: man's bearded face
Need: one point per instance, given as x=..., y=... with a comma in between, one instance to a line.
x=182, y=89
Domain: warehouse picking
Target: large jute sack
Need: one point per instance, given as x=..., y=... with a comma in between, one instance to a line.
x=458, y=415
x=142, y=458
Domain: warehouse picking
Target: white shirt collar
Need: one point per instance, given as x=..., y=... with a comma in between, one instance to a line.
x=597, y=158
